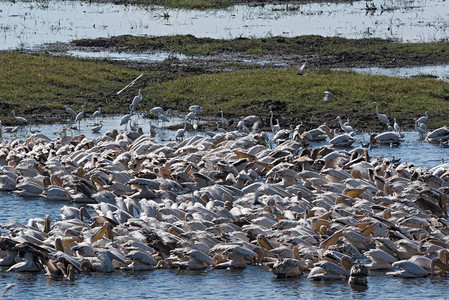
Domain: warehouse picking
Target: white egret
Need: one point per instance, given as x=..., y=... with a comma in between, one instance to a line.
x=327, y=96
x=79, y=116
x=181, y=132
x=97, y=129
x=97, y=112
x=382, y=117
x=274, y=127
x=70, y=111
x=19, y=119
x=137, y=99
x=224, y=121
x=423, y=119
x=125, y=119
x=346, y=128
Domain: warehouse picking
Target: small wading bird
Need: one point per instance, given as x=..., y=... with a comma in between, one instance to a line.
x=382, y=117
x=327, y=96
x=21, y=120
x=301, y=69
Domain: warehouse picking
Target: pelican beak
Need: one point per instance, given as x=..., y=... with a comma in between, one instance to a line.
x=56, y=180
x=263, y=241
x=310, y=213
x=368, y=230
x=80, y=172
x=353, y=193
x=387, y=213
x=47, y=223
x=326, y=216
x=266, y=166
x=332, y=240
x=240, y=154
x=100, y=233
x=67, y=242
x=442, y=204
x=317, y=224
x=58, y=245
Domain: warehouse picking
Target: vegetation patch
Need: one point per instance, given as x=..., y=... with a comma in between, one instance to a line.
x=318, y=50
x=39, y=86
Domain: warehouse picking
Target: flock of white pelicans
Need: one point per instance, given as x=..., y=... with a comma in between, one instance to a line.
x=223, y=201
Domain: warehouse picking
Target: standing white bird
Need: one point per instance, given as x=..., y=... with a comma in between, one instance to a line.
x=397, y=128
x=301, y=69
x=97, y=129
x=79, y=116
x=422, y=131
x=327, y=96
x=137, y=99
x=423, y=119
x=181, y=132
x=70, y=111
x=224, y=121
x=19, y=119
x=97, y=112
x=382, y=117
x=125, y=119
x=274, y=127
x=345, y=127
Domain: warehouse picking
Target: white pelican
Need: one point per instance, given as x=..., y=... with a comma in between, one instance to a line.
x=288, y=267
x=438, y=135
x=385, y=138
x=380, y=260
x=342, y=140
x=408, y=270
x=19, y=119
x=382, y=117
x=326, y=270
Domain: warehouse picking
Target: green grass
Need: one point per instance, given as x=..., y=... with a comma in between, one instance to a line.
x=342, y=51
x=38, y=85
x=299, y=98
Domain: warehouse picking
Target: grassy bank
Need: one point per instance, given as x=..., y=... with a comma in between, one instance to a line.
x=320, y=51
x=38, y=86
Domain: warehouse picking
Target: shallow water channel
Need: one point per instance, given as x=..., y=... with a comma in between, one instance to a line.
x=33, y=23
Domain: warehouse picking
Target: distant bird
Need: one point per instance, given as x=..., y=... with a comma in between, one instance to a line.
x=301, y=69
x=79, y=116
x=97, y=129
x=195, y=108
x=132, y=127
x=397, y=128
x=423, y=119
x=137, y=99
x=382, y=117
x=97, y=113
x=125, y=119
x=157, y=110
x=327, y=96
x=345, y=127
x=274, y=127
x=181, y=132
x=70, y=111
x=152, y=129
x=224, y=121
x=19, y=119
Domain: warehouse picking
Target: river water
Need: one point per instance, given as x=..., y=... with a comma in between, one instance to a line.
x=32, y=23
x=27, y=24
